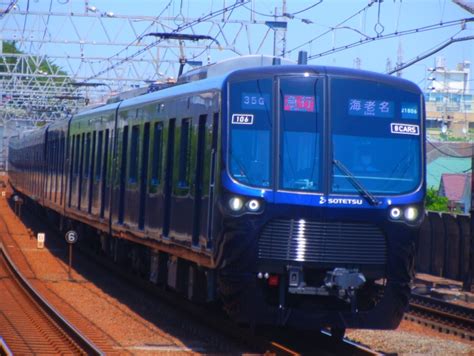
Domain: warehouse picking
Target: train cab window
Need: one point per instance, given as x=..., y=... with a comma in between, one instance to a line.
x=184, y=154
x=301, y=118
x=134, y=154
x=375, y=136
x=251, y=125
x=157, y=154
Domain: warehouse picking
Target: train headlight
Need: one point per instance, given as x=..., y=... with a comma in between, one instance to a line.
x=411, y=213
x=253, y=205
x=236, y=204
x=395, y=213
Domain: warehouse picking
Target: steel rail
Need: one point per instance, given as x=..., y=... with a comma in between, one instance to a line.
x=441, y=315
x=81, y=340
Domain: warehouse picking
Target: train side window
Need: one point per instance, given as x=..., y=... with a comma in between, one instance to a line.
x=201, y=143
x=134, y=154
x=98, y=162
x=77, y=152
x=104, y=174
x=123, y=168
x=184, y=148
x=87, y=156
x=56, y=155
x=71, y=168
x=157, y=154
x=106, y=154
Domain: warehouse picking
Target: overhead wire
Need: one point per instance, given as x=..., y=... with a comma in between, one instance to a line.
x=47, y=19
x=182, y=27
x=208, y=47
x=432, y=51
x=258, y=13
x=305, y=9
x=142, y=34
x=25, y=20
x=331, y=28
x=8, y=8
x=392, y=35
x=449, y=154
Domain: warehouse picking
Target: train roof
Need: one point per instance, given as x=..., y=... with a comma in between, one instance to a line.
x=214, y=77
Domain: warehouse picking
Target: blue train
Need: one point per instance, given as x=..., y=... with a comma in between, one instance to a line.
x=291, y=193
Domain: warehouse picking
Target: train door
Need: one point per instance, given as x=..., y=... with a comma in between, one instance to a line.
x=212, y=177
x=199, y=179
x=181, y=206
x=155, y=198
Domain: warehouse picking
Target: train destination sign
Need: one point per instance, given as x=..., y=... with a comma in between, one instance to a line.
x=371, y=108
x=299, y=103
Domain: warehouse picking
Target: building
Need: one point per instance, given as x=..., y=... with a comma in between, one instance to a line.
x=457, y=188
x=449, y=101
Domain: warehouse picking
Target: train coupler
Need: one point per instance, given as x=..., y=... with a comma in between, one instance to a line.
x=340, y=282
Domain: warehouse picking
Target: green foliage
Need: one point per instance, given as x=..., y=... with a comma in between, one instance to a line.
x=434, y=202
x=17, y=64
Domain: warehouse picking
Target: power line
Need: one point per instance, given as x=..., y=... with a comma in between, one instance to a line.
x=303, y=10
x=8, y=9
x=331, y=29
x=143, y=33
x=237, y=4
x=419, y=58
x=259, y=13
x=448, y=154
x=392, y=35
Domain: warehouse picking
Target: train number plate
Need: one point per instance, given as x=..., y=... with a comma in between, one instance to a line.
x=242, y=119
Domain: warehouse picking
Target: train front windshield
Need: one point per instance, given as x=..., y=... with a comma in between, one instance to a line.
x=252, y=112
x=376, y=135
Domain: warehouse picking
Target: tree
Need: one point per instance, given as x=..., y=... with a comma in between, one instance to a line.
x=435, y=202
x=33, y=64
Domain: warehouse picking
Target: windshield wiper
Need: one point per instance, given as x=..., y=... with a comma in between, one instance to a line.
x=356, y=183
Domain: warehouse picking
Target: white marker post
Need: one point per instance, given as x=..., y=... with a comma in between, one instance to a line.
x=41, y=237
x=71, y=239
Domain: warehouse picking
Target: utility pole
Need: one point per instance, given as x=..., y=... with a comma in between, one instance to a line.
x=279, y=31
x=282, y=34
x=467, y=283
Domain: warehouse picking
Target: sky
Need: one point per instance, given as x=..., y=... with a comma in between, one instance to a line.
x=314, y=26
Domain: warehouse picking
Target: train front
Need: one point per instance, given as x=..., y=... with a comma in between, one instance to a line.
x=321, y=196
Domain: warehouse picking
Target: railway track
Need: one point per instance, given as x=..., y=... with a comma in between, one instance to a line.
x=443, y=316
x=29, y=325
x=271, y=341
